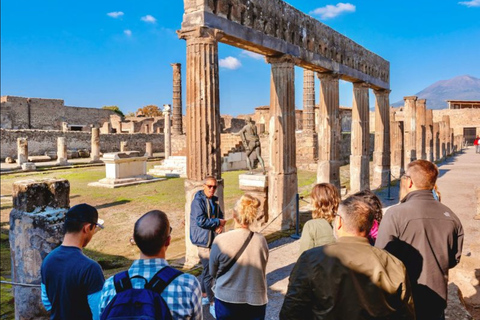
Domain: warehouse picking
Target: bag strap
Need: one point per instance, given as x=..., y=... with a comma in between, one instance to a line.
x=122, y=281
x=162, y=279
x=239, y=253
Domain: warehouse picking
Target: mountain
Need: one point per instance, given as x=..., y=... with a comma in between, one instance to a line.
x=459, y=88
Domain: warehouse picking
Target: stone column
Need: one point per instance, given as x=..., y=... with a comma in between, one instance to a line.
x=381, y=154
x=421, y=129
x=360, y=139
x=123, y=146
x=95, y=145
x=167, y=132
x=36, y=223
x=62, y=151
x=22, y=150
x=329, y=130
x=429, y=134
x=436, y=141
x=282, y=175
x=308, y=101
x=442, y=138
x=177, y=99
x=410, y=128
x=396, y=142
x=148, y=149
x=446, y=135
x=202, y=119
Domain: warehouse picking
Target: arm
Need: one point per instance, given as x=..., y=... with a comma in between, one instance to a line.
x=387, y=231
x=213, y=262
x=94, y=303
x=45, y=301
x=306, y=241
x=200, y=215
x=197, y=301
x=107, y=294
x=458, y=246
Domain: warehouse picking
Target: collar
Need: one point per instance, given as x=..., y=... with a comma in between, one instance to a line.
x=353, y=239
x=419, y=194
x=145, y=263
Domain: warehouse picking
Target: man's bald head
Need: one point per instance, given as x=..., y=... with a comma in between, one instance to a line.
x=151, y=232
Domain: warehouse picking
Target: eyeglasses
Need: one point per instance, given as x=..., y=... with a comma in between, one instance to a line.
x=211, y=186
x=405, y=176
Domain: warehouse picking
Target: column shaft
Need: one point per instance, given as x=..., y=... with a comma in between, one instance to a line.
x=308, y=101
x=381, y=154
x=396, y=142
x=167, y=132
x=95, y=145
x=409, y=127
x=429, y=141
x=436, y=141
x=177, y=99
x=421, y=128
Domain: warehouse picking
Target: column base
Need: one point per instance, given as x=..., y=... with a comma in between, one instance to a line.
x=380, y=176
x=281, y=201
x=359, y=173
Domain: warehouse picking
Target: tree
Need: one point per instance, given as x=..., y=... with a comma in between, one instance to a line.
x=114, y=109
x=150, y=111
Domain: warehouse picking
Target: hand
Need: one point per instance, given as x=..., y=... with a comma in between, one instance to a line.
x=219, y=230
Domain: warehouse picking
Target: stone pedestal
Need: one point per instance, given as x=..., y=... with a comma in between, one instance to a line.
x=177, y=99
x=308, y=101
x=62, y=151
x=36, y=224
x=167, y=131
x=381, y=154
x=148, y=150
x=95, y=146
x=410, y=130
x=22, y=151
x=257, y=186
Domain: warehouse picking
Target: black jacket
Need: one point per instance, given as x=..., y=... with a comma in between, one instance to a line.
x=204, y=220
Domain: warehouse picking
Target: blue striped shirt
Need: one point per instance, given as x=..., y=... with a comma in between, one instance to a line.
x=183, y=295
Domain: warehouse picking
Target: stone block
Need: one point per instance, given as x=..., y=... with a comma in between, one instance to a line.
x=35, y=195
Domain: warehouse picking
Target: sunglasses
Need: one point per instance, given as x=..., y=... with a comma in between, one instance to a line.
x=211, y=186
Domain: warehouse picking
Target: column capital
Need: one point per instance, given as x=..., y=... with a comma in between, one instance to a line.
x=328, y=76
x=381, y=91
x=284, y=58
x=422, y=101
x=176, y=64
x=361, y=85
x=203, y=33
x=414, y=98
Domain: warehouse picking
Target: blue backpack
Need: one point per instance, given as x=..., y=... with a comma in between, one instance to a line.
x=146, y=303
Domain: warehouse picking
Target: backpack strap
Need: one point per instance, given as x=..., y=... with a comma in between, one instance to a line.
x=122, y=281
x=162, y=279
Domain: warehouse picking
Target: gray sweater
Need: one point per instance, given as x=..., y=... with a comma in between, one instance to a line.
x=245, y=282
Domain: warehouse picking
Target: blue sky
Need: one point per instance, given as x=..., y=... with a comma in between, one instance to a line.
x=96, y=53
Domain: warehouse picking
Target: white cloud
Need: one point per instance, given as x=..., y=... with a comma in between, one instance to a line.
x=251, y=54
x=128, y=33
x=230, y=63
x=115, y=14
x=148, y=18
x=472, y=3
x=331, y=11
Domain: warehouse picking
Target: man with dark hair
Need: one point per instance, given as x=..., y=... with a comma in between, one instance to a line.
x=152, y=235
x=348, y=279
x=72, y=282
x=206, y=220
x=426, y=235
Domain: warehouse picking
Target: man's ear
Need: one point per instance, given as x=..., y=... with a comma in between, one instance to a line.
x=167, y=242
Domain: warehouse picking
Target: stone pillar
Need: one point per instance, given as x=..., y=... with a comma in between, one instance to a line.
x=148, y=149
x=36, y=223
x=282, y=175
x=62, y=151
x=202, y=119
x=410, y=128
x=360, y=139
x=177, y=99
x=167, y=132
x=429, y=134
x=308, y=100
x=421, y=129
x=443, y=144
x=446, y=137
x=329, y=130
x=95, y=145
x=436, y=141
x=396, y=142
x=123, y=146
x=381, y=154
x=22, y=150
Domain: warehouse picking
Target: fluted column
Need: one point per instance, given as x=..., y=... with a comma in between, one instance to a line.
x=429, y=141
x=409, y=129
x=329, y=130
x=381, y=154
x=396, y=142
x=421, y=128
x=282, y=175
x=177, y=99
x=308, y=100
x=360, y=139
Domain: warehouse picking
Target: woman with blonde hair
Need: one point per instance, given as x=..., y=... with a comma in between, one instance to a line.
x=318, y=231
x=238, y=261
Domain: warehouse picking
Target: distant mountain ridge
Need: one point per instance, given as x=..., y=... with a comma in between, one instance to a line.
x=459, y=88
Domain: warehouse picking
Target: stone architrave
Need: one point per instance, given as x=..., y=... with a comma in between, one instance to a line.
x=148, y=149
x=421, y=128
x=177, y=99
x=124, y=146
x=22, y=151
x=381, y=154
x=36, y=223
x=167, y=131
x=360, y=139
x=329, y=130
x=62, y=151
x=410, y=129
x=95, y=146
x=396, y=142
x=282, y=175
x=429, y=141
x=308, y=100
x=436, y=141
x=202, y=119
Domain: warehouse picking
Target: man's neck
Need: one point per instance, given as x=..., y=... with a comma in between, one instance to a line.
x=73, y=240
x=160, y=255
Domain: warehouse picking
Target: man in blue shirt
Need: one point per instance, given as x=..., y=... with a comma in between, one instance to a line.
x=72, y=282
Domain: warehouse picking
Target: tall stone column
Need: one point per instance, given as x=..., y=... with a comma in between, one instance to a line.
x=177, y=99
x=36, y=223
x=148, y=149
x=429, y=134
x=410, y=129
x=329, y=130
x=442, y=136
x=436, y=141
x=421, y=128
x=360, y=139
x=202, y=119
x=167, y=132
x=446, y=135
x=308, y=100
x=95, y=145
x=381, y=154
x=282, y=175
x=62, y=151
x=22, y=150
x=396, y=142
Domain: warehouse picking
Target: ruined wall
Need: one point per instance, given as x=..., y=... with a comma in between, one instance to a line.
x=459, y=119
x=41, y=141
